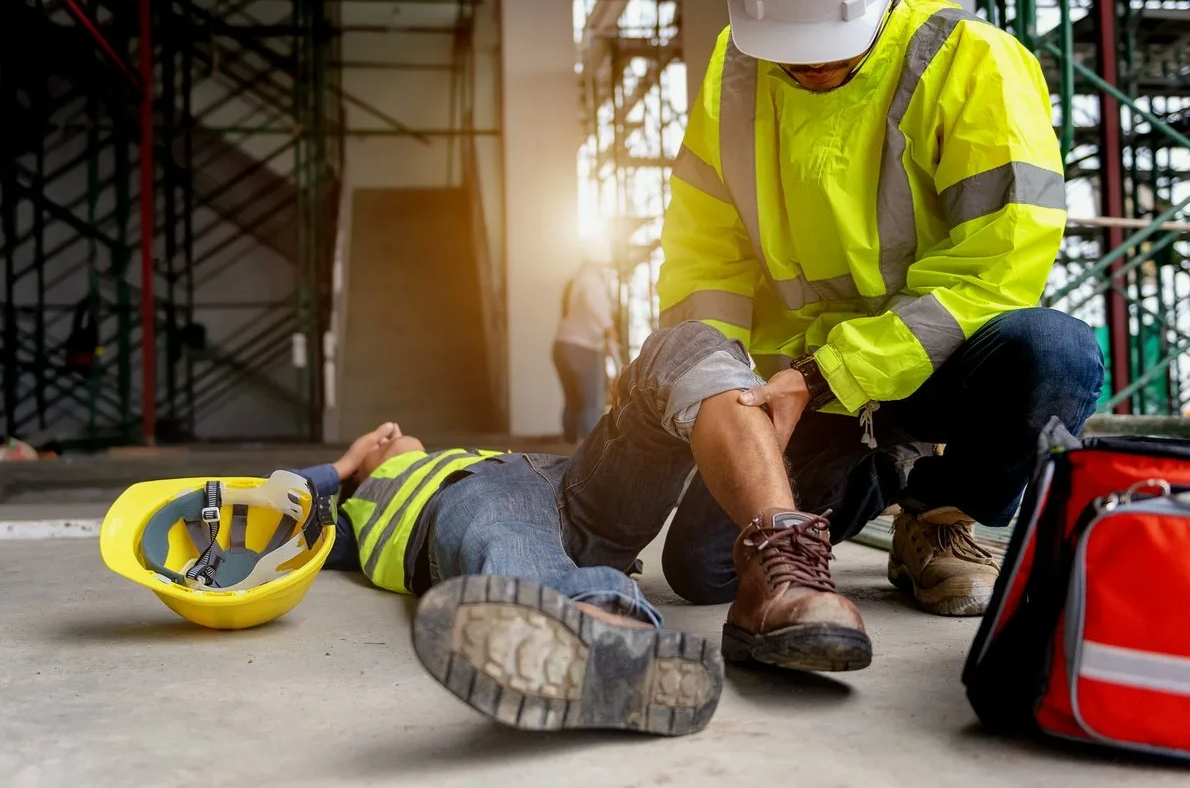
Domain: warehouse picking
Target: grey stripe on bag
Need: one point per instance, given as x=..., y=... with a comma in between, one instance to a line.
x=1134, y=668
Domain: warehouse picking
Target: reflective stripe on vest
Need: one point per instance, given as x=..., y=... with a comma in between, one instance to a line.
x=385, y=509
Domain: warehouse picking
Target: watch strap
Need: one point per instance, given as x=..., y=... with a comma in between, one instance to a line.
x=820, y=390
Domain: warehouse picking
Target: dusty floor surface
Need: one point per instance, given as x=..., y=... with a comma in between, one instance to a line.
x=100, y=685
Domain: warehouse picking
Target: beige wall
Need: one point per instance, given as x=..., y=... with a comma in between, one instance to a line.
x=541, y=185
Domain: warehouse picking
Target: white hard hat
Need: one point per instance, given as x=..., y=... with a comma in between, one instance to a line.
x=805, y=31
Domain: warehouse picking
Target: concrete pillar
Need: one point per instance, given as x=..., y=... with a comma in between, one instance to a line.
x=702, y=21
x=541, y=137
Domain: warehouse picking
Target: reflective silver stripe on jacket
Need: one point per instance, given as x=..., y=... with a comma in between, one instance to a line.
x=933, y=325
x=1015, y=183
x=737, y=154
x=731, y=308
x=700, y=175
x=895, y=222
x=380, y=491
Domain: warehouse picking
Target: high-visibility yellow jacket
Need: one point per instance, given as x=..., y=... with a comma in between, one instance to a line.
x=878, y=225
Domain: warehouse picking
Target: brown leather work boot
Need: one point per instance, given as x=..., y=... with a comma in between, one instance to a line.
x=786, y=611
x=934, y=556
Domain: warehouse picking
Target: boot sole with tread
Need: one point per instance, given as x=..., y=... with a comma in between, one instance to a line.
x=529, y=657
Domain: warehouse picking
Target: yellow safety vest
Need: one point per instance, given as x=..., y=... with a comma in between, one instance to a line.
x=878, y=225
x=385, y=508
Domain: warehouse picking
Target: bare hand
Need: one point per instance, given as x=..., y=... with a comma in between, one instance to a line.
x=349, y=463
x=785, y=397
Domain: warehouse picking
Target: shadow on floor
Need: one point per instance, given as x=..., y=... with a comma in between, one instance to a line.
x=472, y=746
x=979, y=739
x=774, y=686
x=129, y=632
x=475, y=745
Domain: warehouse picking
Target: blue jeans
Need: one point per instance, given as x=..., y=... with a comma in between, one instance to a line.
x=578, y=524
x=502, y=517
x=584, y=382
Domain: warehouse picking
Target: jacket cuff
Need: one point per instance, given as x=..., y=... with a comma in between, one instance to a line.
x=846, y=388
x=324, y=478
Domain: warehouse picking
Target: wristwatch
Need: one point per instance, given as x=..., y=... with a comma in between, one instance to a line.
x=820, y=391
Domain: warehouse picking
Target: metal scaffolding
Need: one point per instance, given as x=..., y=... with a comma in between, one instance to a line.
x=633, y=89
x=114, y=129
x=1120, y=73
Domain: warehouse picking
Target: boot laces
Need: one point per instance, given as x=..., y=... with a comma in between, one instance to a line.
x=798, y=554
x=958, y=540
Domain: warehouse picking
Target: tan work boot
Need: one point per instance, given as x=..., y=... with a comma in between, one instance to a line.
x=934, y=555
x=786, y=611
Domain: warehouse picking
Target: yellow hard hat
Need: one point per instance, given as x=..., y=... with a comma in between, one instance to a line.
x=227, y=553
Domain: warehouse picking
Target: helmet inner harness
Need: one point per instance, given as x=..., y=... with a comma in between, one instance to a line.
x=236, y=567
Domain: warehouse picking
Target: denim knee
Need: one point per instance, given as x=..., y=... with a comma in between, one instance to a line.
x=668, y=353
x=1057, y=361
x=681, y=366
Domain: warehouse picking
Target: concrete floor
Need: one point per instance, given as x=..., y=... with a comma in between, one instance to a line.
x=100, y=685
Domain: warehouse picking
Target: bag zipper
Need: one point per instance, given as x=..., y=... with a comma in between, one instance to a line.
x=1161, y=448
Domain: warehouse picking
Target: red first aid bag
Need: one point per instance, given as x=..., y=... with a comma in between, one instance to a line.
x=1088, y=633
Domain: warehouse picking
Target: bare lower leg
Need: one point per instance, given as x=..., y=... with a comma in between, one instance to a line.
x=736, y=450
